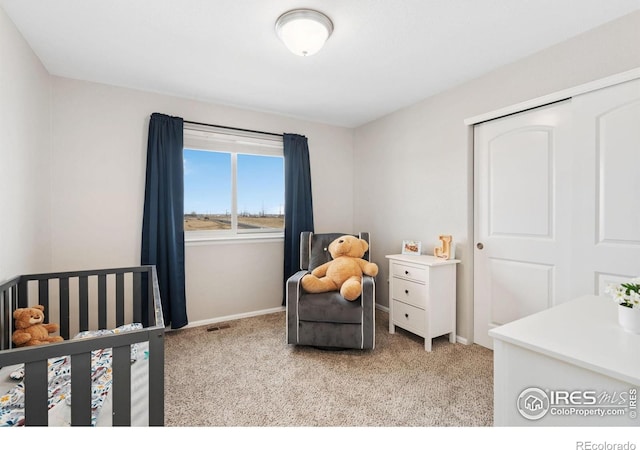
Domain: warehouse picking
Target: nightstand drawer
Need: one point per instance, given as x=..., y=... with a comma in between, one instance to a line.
x=409, y=317
x=410, y=292
x=410, y=272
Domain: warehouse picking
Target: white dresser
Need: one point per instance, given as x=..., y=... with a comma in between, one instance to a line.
x=422, y=296
x=569, y=365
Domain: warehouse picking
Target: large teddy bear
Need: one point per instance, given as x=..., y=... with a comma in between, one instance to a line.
x=30, y=328
x=344, y=272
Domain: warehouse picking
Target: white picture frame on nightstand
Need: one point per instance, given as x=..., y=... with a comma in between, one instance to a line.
x=411, y=247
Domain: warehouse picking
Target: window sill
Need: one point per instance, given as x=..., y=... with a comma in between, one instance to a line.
x=192, y=241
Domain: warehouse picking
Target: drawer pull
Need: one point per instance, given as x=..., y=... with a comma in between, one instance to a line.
x=406, y=291
x=406, y=315
x=406, y=272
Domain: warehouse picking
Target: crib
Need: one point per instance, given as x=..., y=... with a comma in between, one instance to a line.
x=104, y=299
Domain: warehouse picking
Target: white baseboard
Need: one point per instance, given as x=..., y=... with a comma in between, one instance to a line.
x=200, y=323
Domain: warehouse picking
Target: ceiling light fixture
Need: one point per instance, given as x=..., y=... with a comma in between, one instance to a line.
x=304, y=31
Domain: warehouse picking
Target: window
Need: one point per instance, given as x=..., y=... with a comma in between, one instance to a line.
x=233, y=184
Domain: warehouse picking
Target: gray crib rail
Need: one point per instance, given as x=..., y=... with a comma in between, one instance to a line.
x=145, y=307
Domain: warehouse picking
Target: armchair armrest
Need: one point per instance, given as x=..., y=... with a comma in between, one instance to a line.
x=294, y=288
x=368, y=310
x=368, y=291
x=292, y=295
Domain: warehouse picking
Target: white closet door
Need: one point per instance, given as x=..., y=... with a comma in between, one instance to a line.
x=523, y=187
x=607, y=187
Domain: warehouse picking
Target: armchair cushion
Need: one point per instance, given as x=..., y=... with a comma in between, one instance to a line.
x=329, y=307
x=320, y=249
x=314, y=250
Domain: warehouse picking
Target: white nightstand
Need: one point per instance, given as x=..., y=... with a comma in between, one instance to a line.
x=422, y=296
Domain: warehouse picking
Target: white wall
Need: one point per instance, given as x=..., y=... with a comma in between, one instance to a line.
x=99, y=153
x=25, y=131
x=413, y=177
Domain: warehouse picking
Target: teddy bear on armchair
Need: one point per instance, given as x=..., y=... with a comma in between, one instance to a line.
x=344, y=272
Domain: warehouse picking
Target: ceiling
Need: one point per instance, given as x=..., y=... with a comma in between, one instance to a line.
x=382, y=56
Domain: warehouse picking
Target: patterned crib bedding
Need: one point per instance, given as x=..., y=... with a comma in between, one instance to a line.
x=59, y=382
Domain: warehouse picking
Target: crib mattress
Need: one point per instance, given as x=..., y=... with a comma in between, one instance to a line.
x=59, y=413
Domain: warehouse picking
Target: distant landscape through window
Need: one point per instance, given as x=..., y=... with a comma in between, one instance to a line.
x=233, y=191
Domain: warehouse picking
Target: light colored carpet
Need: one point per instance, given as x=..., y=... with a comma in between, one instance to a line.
x=246, y=375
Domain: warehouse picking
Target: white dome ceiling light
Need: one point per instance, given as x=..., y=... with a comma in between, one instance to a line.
x=304, y=31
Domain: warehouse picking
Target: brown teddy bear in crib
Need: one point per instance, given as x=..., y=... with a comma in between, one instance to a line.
x=344, y=272
x=30, y=328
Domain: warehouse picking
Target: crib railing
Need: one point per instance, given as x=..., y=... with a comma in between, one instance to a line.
x=81, y=300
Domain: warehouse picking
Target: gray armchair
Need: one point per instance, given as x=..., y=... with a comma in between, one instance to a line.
x=327, y=319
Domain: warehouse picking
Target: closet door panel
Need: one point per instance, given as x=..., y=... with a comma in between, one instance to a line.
x=510, y=301
x=522, y=216
x=607, y=216
x=618, y=174
x=519, y=184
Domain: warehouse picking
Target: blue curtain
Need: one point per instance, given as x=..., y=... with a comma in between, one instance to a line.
x=298, y=205
x=163, y=219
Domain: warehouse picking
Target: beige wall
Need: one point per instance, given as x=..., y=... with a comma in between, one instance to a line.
x=72, y=160
x=25, y=131
x=414, y=167
x=98, y=165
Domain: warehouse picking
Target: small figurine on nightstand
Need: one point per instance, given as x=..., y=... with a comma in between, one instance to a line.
x=443, y=252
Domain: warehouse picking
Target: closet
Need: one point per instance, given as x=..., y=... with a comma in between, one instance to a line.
x=556, y=203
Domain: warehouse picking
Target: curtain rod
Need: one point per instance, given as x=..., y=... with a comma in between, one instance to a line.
x=233, y=128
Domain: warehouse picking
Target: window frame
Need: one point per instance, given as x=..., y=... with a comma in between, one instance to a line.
x=234, y=142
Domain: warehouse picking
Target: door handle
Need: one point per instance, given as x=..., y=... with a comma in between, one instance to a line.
x=480, y=245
